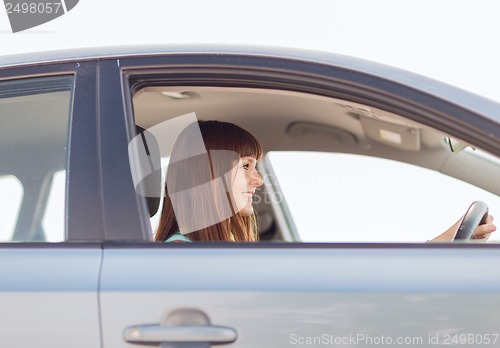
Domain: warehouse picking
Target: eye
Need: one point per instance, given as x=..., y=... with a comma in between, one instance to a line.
x=246, y=166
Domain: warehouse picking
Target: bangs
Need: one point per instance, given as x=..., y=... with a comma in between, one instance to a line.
x=247, y=145
x=219, y=135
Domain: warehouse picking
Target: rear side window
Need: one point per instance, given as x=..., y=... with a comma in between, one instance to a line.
x=34, y=119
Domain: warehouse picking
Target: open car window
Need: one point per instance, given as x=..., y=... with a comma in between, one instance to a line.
x=336, y=170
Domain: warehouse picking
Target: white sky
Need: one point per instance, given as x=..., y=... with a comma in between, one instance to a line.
x=454, y=41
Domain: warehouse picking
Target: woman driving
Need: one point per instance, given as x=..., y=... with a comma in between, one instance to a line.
x=211, y=180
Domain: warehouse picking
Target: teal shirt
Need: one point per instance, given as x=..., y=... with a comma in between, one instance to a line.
x=178, y=236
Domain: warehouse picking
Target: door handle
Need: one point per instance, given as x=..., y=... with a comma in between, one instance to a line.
x=180, y=327
x=177, y=334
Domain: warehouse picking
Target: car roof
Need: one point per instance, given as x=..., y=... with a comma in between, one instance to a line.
x=486, y=107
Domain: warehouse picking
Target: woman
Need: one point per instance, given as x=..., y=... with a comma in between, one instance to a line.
x=211, y=179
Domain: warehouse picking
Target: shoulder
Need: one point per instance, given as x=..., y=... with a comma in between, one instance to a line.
x=178, y=237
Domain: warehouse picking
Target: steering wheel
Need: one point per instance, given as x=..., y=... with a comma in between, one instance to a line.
x=476, y=215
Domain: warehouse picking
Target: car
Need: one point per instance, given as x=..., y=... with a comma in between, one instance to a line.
x=363, y=163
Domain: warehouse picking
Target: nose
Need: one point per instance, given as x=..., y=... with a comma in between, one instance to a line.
x=256, y=180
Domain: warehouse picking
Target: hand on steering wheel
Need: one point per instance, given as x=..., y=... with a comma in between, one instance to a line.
x=476, y=215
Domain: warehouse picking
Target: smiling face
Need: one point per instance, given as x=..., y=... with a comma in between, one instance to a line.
x=245, y=182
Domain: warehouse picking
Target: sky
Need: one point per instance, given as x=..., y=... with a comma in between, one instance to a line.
x=454, y=41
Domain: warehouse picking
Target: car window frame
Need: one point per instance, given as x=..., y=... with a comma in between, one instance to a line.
x=335, y=80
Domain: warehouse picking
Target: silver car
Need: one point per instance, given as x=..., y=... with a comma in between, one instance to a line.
x=335, y=265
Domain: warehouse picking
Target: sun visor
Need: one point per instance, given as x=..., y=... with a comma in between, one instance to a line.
x=402, y=136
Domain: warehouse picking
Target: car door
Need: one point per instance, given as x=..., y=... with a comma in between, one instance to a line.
x=50, y=253
x=297, y=294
